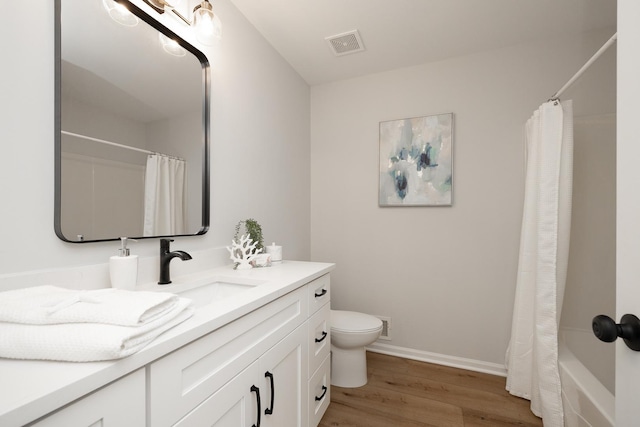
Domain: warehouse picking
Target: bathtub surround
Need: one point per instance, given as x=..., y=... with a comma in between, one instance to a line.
x=585, y=400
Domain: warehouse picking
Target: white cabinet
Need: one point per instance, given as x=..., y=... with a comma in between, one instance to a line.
x=270, y=392
x=319, y=293
x=181, y=381
x=268, y=368
x=319, y=392
x=273, y=362
x=284, y=382
x=319, y=342
x=273, y=341
x=319, y=338
x=119, y=404
x=235, y=404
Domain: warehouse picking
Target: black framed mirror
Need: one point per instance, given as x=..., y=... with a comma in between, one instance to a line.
x=131, y=126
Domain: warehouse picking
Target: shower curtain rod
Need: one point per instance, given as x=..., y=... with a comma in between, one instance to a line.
x=585, y=67
x=115, y=144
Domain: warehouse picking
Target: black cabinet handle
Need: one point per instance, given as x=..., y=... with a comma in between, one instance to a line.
x=269, y=411
x=257, y=391
x=323, y=293
x=324, y=335
x=606, y=329
x=324, y=391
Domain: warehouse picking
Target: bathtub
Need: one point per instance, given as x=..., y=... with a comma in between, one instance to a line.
x=586, y=402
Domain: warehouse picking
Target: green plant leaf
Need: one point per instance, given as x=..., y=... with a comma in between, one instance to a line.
x=252, y=227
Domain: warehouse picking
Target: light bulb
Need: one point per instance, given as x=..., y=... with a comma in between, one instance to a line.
x=207, y=25
x=171, y=46
x=120, y=13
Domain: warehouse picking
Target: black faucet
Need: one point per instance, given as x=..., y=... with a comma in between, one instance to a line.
x=165, y=259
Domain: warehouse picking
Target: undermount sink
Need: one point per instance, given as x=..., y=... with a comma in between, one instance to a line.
x=207, y=292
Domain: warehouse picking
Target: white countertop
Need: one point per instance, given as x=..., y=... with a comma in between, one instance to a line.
x=31, y=389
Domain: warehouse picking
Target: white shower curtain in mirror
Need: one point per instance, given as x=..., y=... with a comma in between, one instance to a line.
x=164, y=196
x=532, y=357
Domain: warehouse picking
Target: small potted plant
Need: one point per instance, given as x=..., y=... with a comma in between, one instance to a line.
x=252, y=228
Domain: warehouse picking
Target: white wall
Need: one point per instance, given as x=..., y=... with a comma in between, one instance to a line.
x=444, y=275
x=260, y=146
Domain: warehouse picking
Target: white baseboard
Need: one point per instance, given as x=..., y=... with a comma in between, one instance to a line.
x=439, y=359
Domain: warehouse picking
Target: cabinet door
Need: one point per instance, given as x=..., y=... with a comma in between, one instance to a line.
x=236, y=404
x=120, y=404
x=284, y=381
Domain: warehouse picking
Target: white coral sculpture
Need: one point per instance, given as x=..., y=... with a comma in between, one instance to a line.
x=243, y=252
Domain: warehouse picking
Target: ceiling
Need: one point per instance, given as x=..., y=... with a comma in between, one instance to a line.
x=401, y=33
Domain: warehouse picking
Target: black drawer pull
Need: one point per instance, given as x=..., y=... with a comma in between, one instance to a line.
x=257, y=391
x=324, y=391
x=321, y=294
x=324, y=335
x=269, y=411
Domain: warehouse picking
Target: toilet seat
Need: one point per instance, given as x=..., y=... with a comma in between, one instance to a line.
x=351, y=322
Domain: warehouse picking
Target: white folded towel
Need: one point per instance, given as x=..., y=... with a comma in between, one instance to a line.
x=86, y=342
x=44, y=305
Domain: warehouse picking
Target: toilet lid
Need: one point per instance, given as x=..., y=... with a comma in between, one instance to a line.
x=351, y=321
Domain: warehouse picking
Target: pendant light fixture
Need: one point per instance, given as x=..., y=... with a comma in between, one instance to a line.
x=206, y=24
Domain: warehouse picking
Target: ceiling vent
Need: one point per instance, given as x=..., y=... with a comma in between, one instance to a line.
x=345, y=43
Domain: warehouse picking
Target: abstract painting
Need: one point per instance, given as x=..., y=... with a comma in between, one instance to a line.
x=416, y=161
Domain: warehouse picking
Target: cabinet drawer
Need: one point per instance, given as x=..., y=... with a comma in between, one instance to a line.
x=319, y=338
x=183, y=379
x=121, y=403
x=319, y=293
x=319, y=392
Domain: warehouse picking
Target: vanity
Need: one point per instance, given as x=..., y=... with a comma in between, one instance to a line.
x=256, y=357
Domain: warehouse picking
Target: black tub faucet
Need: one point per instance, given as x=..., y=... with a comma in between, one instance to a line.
x=165, y=258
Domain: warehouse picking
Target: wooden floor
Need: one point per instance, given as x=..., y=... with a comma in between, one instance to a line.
x=403, y=392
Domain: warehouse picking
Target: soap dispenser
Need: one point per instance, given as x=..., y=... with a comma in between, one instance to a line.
x=123, y=268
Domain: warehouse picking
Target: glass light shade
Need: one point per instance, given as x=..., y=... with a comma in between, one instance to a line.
x=171, y=46
x=120, y=13
x=207, y=25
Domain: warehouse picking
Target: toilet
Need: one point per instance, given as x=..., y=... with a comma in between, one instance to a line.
x=350, y=333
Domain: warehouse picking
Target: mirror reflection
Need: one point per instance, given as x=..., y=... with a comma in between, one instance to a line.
x=132, y=126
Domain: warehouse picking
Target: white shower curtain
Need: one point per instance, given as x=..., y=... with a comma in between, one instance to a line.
x=532, y=358
x=164, y=196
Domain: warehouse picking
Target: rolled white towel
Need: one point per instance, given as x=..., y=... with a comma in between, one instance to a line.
x=86, y=342
x=45, y=305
